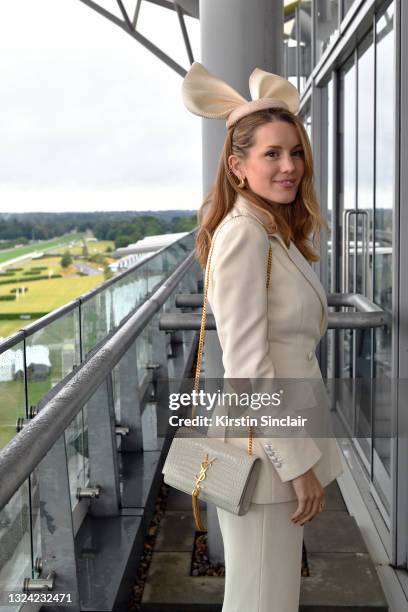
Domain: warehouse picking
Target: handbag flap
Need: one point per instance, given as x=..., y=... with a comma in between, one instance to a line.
x=226, y=477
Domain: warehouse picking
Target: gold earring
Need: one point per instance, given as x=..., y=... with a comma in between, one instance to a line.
x=241, y=184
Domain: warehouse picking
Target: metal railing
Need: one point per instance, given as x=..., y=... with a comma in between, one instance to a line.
x=35, y=359
x=367, y=313
x=65, y=465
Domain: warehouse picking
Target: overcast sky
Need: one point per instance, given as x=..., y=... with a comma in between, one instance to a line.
x=90, y=120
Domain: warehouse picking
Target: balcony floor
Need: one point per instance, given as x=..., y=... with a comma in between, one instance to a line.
x=342, y=575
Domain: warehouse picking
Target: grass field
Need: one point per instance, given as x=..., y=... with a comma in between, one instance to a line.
x=52, y=263
x=93, y=247
x=38, y=246
x=43, y=296
x=47, y=295
x=11, y=407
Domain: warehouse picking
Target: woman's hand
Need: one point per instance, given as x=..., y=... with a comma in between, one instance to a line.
x=310, y=495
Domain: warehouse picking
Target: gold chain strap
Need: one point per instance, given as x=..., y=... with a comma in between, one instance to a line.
x=202, y=329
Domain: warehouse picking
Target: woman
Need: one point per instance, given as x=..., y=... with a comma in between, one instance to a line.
x=264, y=196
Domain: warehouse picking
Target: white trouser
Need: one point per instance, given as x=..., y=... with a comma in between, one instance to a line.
x=263, y=557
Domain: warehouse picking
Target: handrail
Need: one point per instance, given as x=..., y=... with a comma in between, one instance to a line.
x=31, y=328
x=368, y=314
x=24, y=452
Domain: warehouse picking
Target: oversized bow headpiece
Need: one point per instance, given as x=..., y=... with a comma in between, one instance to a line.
x=208, y=96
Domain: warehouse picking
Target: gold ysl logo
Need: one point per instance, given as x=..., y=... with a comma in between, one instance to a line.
x=203, y=473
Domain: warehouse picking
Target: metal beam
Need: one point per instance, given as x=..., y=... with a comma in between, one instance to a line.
x=184, y=33
x=136, y=14
x=124, y=14
x=139, y=37
x=191, y=12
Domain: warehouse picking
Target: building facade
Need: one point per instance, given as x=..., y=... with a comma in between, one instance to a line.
x=349, y=61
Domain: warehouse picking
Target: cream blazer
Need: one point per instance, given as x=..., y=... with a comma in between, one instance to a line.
x=271, y=333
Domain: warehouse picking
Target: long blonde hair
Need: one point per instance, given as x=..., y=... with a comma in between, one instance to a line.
x=296, y=222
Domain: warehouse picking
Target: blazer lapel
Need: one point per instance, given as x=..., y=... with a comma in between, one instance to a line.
x=295, y=255
x=308, y=272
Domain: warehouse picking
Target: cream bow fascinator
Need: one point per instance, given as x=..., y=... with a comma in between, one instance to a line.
x=208, y=96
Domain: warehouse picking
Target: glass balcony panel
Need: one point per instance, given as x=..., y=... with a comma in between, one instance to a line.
x=156, y=271
x=51, y=353
x=85, y=448
x=176, y=253
x=74, y=444
x=95, y=322
x=12, y=391
x=144, y=355
x=127, y=294
x=106, y=310
x=35, y=491
x=116, y=392
x=15, y=544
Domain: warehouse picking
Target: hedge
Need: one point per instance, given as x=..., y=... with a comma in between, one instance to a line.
x=18, y=315
x=28, y=280
x=47, y=255
x=7, y=298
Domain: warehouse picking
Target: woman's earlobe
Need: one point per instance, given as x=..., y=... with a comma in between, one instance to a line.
x=234, y=165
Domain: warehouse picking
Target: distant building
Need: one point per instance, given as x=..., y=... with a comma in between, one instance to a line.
x=141, y=249
x=38, y=363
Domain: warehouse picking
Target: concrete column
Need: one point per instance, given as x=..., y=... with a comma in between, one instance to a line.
x=236, y=37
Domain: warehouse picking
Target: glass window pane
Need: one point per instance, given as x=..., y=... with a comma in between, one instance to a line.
x=305, y=43
x=289, y=51
x=327, y=25
x=346, y=5
x=365, y=163
x=383, y=222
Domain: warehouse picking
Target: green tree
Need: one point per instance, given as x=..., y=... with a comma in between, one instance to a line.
x=107, y=272
x=66, y=259
x=183, y=224
x=122, y=241
x=85, y=252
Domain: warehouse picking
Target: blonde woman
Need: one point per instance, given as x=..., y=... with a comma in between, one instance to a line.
x=264, y=196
